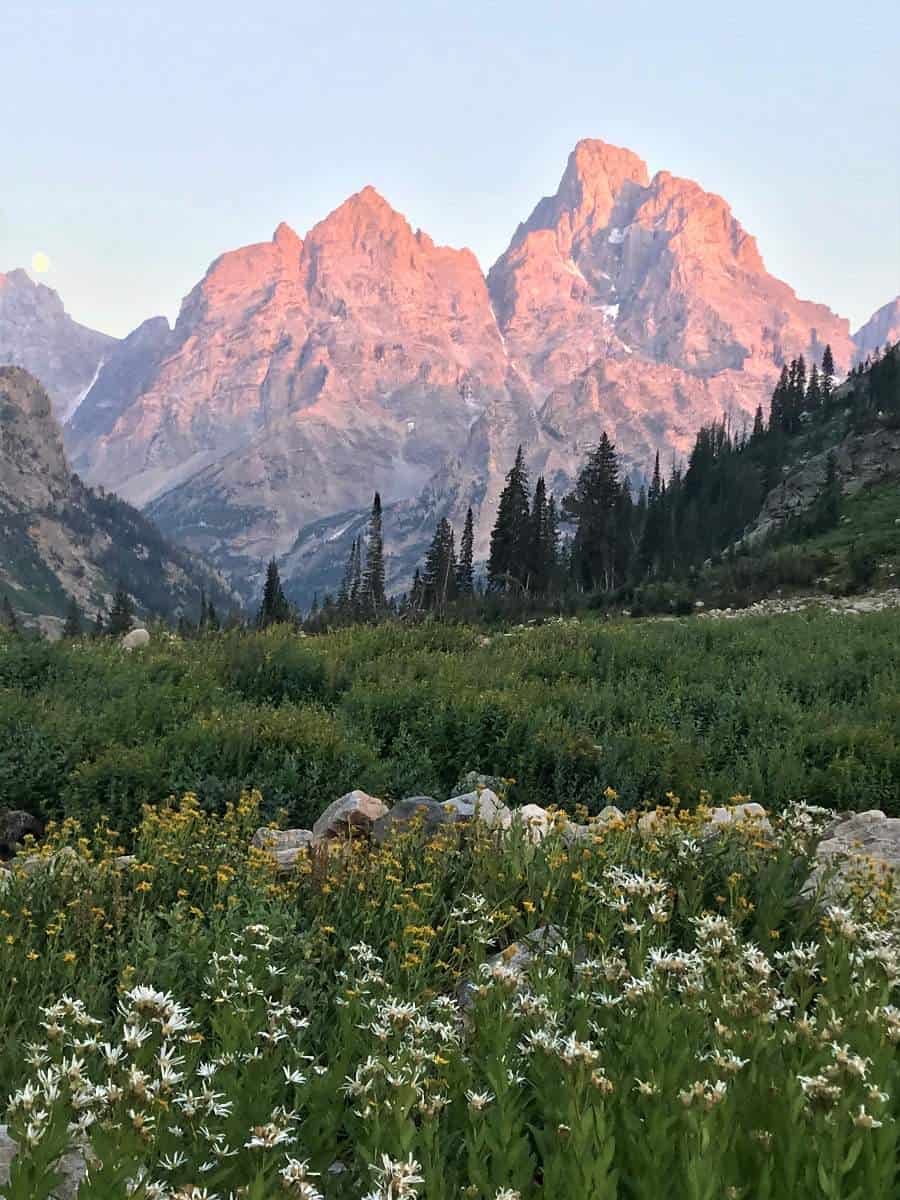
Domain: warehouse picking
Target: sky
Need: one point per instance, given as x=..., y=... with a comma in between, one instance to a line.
x=140, y=140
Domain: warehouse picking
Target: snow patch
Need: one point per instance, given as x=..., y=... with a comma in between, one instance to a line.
x=627, y=349
x=76, y=403
x=333, y=537
x=616, y=236
x=610, y=311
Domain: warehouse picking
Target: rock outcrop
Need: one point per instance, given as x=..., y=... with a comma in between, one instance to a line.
x=60, y=539
x=38, y=334
x=881, y=329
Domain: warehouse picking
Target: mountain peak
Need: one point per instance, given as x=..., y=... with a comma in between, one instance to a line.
x=882, y=327
x=287, y=240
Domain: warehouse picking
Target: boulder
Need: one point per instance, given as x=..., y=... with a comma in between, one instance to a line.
x=423, y=809
x=354, y=813
x=854, y=840
x=610, y=815
x=285, y=845
x=536, y=821
x=485, y=805
x=137, y=639
x=15, y=826
x=70, y=1167
x=510, y=964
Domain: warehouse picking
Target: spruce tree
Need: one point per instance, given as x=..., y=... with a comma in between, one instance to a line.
x=538, y=577
x=439, y=577
x=827, y=374
x=121, y=615
x=778, y=413
x=373, y=577
x=213, y=624
x=594, y=505
x=274, y=608
x=813, y=391
x=201, y=624
x=759, y=424
x=72, y=627
x=465, y=568
x=10, y=620
x=508, y=560
x=97, y=629
x=356, y=579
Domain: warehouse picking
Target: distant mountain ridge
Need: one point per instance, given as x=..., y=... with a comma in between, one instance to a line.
x=305, y=373
x=61, y=539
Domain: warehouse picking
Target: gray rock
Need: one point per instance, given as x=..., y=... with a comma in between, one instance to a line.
x=285, y=845
x=15, y=826
x=354, y=813
x=852, y=840
x=423, y=809
x=485, y=805
x=281, y=839
x=137, y=639
x=536, y=821
x=71, y=1167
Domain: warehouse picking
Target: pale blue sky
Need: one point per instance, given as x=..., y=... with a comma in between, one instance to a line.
x=139, y=140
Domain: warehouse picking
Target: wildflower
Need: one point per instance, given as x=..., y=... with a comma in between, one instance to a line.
x=864, y=1120
x=478, y=1101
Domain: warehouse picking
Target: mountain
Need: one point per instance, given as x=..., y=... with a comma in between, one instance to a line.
x=59, y=538
x=305, y=373
x=881, y=329
x=38, y=334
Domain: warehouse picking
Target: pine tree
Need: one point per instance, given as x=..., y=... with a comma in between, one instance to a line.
x=539, y=564
x=594, y=505
x=10, y=620
x=813, y=391
x=827, y=374
x=201, y=624
x=72, y=627
x=121, y=615
x=213, y=624
x=343, y=597
x=778, y=413
x=97, y=629
x=759, y=424
x=465, y=568
x=439, y=577
x=274, y=608
x=356, y=579
x=508, y=560
x=373, y=578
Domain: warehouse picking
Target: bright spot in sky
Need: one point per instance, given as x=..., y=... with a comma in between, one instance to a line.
x=40, y=262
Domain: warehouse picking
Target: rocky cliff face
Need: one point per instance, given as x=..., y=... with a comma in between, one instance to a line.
x=36, y=333
x=303, y=374
x=59, y=538
x=881, y=329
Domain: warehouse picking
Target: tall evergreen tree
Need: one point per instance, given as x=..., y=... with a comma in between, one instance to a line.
x=465, y=568
x=10, y=620
x=827, y=374
x=274, y=608
x=541, y=558
x=594, y=505
x=759, y=424
x=439, y=577
x=373, y=578
x=121, y=615
x=508, y=560
x=97, y=629
x=356, y=578
x=72, y=627
x=204, y=615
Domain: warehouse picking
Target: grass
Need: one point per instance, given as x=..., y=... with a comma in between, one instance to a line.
x=785, y=709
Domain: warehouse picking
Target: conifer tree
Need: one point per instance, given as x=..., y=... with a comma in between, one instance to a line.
x=778, y=414
x=373, y=578
x=356, y=578
x=465, y=568
x=813, y=391
x=439, y=577
x=827, y=374
x=508, y=560
x=594, y=505
x=10, y=620
x=121, y=615
x=72, y=627
x=201, y=624
x=274, y=608
x=539, y=565
x=97, y=629
x=213, y=624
